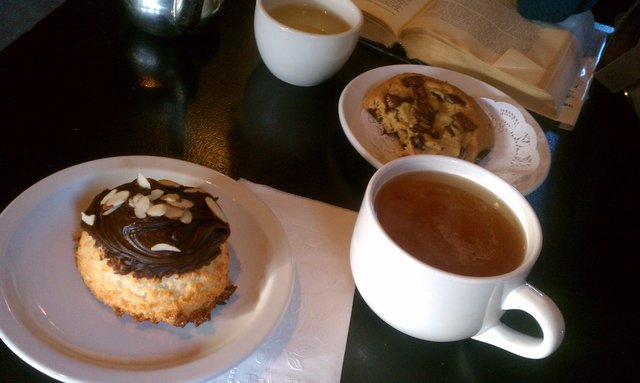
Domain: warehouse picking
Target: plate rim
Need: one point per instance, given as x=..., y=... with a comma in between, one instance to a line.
x=496, y=94
x=20, y=206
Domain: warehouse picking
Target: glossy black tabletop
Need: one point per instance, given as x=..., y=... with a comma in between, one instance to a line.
x=84, y=84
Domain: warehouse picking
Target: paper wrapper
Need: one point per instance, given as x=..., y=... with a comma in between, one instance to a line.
x=309, y=342
x=520, y=154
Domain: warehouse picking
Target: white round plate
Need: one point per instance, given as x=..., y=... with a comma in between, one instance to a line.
x=50, y=319
x=518, y=135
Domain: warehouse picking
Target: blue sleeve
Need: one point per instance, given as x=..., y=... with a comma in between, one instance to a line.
x=552, y=11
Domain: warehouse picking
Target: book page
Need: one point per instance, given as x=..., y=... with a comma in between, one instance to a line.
x=394, y=13
x=494, y=33
x=572, y=105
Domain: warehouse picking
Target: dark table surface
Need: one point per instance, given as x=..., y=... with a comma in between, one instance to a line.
x=84, y=84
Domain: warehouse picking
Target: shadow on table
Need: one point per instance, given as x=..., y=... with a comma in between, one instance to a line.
x=165, y=73
x=287, y=135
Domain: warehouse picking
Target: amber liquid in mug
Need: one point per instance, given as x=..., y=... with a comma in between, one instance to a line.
x=309, y=19
x=450, y=223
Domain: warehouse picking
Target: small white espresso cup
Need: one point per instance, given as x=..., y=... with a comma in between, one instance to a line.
x=431, y=304
x=305, y=58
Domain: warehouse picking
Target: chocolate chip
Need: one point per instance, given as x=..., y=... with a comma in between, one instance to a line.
x=451, y=131
x=394, y=135
x=420, y=92
x=392, y=101
x=425, y=113
x=437, y=96
x=481, y=155
x=454, y=99
x=420, y=128
x=412, y=81
x=418, y=142
x=464, y=122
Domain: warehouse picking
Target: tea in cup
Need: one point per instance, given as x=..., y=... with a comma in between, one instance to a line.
x=441, y=250
x=305, y=42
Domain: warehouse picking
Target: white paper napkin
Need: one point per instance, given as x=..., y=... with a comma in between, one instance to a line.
x=309, y=342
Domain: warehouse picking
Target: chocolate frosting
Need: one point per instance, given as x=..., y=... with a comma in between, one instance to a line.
x=127, y=239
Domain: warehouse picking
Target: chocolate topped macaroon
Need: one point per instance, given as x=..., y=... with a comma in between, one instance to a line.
x=157, y=251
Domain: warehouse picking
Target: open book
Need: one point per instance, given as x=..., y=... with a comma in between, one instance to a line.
x=547, y=68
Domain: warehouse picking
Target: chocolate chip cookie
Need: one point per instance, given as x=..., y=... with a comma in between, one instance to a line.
x=429, y=116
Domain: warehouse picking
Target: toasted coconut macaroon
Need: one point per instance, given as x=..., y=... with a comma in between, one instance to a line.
x=156, y=251
x=425, y=115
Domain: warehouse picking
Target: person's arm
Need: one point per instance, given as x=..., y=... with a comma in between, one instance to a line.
x=552, y=11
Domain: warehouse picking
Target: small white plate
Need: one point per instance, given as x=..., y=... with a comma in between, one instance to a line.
x=520, y=155
x=50, y=319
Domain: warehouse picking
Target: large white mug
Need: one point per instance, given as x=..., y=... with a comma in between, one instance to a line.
x=305, y=58
x=431, y=304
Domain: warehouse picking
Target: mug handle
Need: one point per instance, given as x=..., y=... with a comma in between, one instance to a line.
x=532, y=301
x=218, y=6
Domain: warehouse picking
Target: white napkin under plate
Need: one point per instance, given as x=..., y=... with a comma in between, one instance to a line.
x=308, y=344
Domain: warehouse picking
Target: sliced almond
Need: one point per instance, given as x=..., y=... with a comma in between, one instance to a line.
x=171, y=197
x=108, y=209
x=169, y=183
x=143, y=181
x=140, y=210
x=115, y=202
x=164, y=247
x=157, y=210
x=182, y=203
x=155, y=194
x=216, y=209
x=186, y=217
x=88, y=219
x=134, y=200
x=176, y=200
x=118, y=198
x=108, y=195
x=173, y=212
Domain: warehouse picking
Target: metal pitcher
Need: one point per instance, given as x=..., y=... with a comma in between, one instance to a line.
x=169, y=18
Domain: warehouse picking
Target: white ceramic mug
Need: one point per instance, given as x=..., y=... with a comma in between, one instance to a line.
x=431, y=304
x=303, y=58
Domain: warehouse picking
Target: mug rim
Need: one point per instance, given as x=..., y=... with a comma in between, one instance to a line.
x=350, y=5
x=531, y=230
